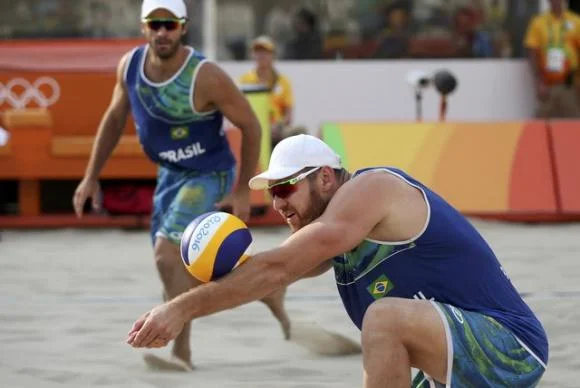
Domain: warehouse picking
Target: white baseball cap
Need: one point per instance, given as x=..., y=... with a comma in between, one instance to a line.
x=176, y=7
x=292, y=155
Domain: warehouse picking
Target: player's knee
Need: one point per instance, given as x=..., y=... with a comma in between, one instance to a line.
x=166, y=254
x=383, y=320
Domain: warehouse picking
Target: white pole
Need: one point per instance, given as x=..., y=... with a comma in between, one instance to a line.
x=210, y=29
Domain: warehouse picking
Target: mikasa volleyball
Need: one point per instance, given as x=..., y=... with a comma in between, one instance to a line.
x=214, y=244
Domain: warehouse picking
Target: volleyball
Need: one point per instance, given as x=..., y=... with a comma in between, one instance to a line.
x=214, y=244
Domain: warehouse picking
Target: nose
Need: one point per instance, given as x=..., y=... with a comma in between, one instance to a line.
x=278, y=203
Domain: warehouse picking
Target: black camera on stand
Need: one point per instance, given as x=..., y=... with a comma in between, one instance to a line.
x=443, y=80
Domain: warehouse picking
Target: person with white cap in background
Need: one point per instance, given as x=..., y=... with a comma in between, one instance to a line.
x=414, y=275
x=178, y=100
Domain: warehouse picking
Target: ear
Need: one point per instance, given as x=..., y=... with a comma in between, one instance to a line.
x=326, y=178
x=184, y=29
x=143, y=29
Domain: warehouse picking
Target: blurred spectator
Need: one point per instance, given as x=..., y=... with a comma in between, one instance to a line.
x=394, y=39
x=99, y=20
x=341, y=28
x=552, y=40
x=495, y=22
x=278, y=25
x=66, y=19
x=469, y=40
x=282, y=98
x=518, y=14
x=496, y=15
x=348, y=29
x=306, y=42
x=368, y=13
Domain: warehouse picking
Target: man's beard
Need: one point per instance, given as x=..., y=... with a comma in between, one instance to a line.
x=166, y=53
x=316, y=208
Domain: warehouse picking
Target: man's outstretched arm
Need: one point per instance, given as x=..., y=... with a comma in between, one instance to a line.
x=339, y=229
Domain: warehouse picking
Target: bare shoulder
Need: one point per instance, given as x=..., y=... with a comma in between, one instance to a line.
x=122, y=65
x=354, y=196
x=347, y=220
x=213, y=84
x=215, y=89
x=211, y=75
x=385, y=184
x=375, y=183
x=390, y=207
x=119, y=104
x=124, y=61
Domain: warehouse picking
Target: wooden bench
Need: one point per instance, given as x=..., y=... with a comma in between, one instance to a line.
x=81, y=146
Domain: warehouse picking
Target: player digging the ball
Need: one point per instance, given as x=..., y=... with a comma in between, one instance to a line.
x=415, y=276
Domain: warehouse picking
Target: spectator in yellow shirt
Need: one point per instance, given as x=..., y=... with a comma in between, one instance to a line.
x=552, y=40
x=282, y=98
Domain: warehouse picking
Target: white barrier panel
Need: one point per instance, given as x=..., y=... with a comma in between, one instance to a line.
x=489, y=90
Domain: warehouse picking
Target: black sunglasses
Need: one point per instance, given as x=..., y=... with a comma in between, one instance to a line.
x=169, y=24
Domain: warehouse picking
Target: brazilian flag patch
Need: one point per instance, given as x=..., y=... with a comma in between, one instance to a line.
x=179, y=133
x=380, y=287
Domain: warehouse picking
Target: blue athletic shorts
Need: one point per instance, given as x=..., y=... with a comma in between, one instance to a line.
x=181, y=196
x=482, y=353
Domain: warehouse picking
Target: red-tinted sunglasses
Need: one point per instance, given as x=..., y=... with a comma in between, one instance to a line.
x=288, y=187
x=169, y=24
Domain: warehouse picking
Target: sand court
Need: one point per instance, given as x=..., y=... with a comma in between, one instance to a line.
x=68, y=298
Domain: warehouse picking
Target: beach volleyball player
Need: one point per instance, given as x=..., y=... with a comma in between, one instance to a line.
x=414, y=275
x=178, y=100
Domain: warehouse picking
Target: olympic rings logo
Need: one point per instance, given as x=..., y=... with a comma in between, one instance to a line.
x=18, y=92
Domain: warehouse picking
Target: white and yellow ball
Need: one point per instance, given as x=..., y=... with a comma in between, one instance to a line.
x=214, y=244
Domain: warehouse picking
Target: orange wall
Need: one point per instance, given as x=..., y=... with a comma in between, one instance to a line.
x=480, y=168
x=566, y=142
x=84, y=97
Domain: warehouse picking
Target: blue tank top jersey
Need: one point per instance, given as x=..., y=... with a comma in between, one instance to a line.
x=449, y=262
x=170, y=130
